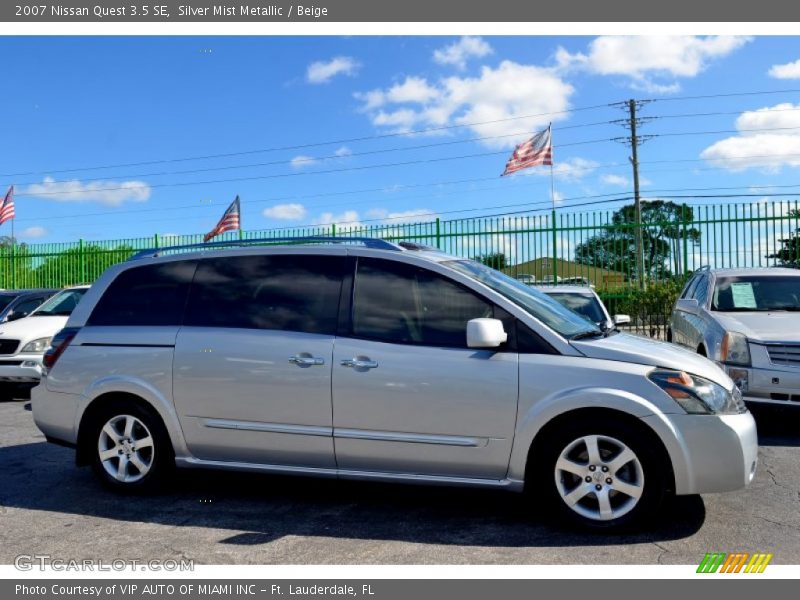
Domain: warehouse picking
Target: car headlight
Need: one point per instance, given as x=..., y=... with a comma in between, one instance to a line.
x=37, y=346
x=697, y=395
x=734, y=349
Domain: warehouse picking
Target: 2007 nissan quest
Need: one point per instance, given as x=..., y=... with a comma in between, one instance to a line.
x=373, y=360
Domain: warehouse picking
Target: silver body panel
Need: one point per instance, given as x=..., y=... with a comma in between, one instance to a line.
x=232, y=399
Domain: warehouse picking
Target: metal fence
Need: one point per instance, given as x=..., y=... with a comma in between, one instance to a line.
x=596, y=247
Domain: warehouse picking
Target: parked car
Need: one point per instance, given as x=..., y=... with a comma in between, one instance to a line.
x=370, y=360
x=16, y=304
x=585, y=302
x=23, y=342
x=748, y=320
x=576, y=281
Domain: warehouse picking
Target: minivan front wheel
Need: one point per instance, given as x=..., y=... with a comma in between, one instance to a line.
x=604, y=475
x=130, y=448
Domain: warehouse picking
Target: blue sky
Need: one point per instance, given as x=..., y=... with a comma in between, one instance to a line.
x=76, y=103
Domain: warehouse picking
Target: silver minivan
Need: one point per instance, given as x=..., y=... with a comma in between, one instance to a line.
x=366, y=359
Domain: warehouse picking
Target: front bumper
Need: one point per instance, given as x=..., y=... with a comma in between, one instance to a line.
x=21, y=368
x=710, y=453
x=764, y=382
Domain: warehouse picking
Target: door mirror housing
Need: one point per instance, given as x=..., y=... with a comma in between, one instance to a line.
x=688, y=305
x=485, y=333
x=621, y=319
x=13, y=316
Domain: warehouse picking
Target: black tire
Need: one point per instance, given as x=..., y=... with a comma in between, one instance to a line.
x=159, y=458
x=653, y=467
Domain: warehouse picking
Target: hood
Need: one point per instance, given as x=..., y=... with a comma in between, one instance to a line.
x=768, y=326
x=32, y=328
x=625, y=347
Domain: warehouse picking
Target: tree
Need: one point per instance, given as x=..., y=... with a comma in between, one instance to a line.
x=80, y=264
x=789, y=254
x=495, y=260
x=664, y=229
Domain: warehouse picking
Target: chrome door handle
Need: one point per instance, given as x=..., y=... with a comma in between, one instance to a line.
x=306, y=361
x=360, y=363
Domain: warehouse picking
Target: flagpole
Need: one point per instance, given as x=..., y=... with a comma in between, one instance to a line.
x=553, y=213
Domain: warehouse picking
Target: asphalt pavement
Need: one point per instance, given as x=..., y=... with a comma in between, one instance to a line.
x=48, y=506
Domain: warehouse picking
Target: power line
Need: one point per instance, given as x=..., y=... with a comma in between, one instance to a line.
x=311, y=144
x=313, y=159
x=724, y=95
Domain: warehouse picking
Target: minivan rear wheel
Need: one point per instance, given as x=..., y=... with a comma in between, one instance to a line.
x=130, y=447
x=603, y=474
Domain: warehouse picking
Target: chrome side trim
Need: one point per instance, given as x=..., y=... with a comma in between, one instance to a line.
x=514, y=485
x=412, y=438
x=268, y=427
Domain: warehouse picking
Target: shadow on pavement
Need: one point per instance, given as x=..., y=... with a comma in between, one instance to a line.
x=777, y=425
x=40, y=476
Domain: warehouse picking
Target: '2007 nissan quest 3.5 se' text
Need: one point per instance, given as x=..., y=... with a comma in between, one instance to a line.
x=373, y=360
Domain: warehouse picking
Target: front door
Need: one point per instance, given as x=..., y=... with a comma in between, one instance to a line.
x=408, y=395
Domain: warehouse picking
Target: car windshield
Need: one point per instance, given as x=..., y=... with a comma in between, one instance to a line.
x=60, y=305
x=548, y=311
x=586, y=305
x=756, y=293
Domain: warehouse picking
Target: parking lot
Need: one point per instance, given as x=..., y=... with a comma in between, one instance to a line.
x=47, y=506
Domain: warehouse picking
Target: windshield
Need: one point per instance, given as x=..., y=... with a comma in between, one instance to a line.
x=539, y=305
x=756, y=293
x=585, y=305
x=60, y=305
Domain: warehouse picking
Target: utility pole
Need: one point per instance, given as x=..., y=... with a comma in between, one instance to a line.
x=633, y=140
x=637, y=201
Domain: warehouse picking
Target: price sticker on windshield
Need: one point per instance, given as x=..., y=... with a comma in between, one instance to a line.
x=743, y=296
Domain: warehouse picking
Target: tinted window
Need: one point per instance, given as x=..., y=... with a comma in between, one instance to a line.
x=757, y=293
x=5, y=300
x=400, y=303
x=25, y=307
x=288, y=293
x=689, y=290
x=701, y=291
x=150, y=295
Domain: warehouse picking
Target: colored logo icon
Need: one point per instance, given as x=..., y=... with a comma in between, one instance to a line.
x=738, y=562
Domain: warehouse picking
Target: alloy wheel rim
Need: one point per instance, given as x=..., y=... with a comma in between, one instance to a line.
x=126, y=448
x=599, y=477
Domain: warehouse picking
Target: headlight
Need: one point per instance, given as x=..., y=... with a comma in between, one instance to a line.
x=697, y=395
x=37, y=346
x=734, y=349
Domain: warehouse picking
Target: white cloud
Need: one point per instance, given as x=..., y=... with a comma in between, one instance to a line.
x=348, y=218
x=286, y=212
x=788, y=71
x=572, y=169
x=652, y=63
x=343, y=151
x=33, y=232
x=298, y=162
x=768, y=151
x=110, y=193
x=501, y=95
x=459, y=52
x=324, y=71
x=618, y=180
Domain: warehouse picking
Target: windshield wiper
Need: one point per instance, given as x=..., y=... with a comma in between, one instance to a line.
x=591, y=333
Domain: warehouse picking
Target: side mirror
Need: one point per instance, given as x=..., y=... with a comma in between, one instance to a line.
x=621, y=319
x=13, y=316
x=687, y=305
x=485, y=333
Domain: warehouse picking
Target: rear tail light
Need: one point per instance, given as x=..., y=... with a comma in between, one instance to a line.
x=58, y=344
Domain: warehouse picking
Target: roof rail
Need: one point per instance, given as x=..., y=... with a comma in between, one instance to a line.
x=703, y=268
x=368, y=242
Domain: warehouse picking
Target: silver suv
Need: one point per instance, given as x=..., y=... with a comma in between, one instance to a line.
x=748, y=320
x=365, y=359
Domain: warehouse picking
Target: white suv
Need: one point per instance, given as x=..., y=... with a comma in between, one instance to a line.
x=371, y=360
x=24, y=341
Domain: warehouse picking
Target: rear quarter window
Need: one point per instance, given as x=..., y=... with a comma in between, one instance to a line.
x=150, y=295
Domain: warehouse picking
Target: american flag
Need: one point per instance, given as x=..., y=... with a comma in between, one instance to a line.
x=228, y=222
x=536, y=151
x=7, y=208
